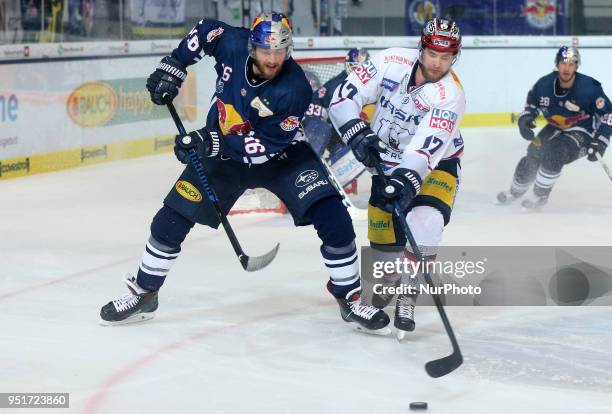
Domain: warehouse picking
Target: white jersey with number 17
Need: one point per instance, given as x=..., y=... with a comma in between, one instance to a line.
x=419, y=125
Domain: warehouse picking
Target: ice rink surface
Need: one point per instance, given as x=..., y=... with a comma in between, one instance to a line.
x=227, y=341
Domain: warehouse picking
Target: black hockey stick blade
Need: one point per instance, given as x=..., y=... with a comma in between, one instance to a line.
x=254, y=263
x=440, y=367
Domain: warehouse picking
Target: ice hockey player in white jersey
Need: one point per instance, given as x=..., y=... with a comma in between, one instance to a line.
x=419, y=104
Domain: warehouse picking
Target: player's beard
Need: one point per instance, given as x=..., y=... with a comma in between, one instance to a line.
x=431, y=76
x=265, y=72
x=567, y=78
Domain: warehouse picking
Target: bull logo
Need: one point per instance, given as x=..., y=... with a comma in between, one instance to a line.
x=230, y=120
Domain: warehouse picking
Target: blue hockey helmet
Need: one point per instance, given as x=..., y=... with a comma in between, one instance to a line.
x=271, y=31
x=568, y=54
x=354, y=58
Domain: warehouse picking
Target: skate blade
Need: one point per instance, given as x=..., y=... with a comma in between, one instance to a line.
x=379, y=332
x=139, y=317
x=400, y=335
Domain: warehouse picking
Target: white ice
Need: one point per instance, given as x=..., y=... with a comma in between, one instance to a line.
x=227, y=341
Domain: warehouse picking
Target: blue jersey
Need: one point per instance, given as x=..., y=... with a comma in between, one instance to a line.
x=319, y=106
x=324, y=94
x=584, y=106
x=258, y=118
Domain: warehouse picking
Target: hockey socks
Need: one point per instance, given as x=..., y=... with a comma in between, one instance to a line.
x=168, y=231
x=343, y=269
x=157, y=260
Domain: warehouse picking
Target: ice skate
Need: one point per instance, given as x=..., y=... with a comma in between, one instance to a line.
x=534, y=202
x=404, y=315
x=362, y=317
x=137, y=306
x=506, y=197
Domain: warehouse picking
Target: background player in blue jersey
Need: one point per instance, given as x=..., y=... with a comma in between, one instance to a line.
x=578, y=122
x=319, y=131
x=249, y=141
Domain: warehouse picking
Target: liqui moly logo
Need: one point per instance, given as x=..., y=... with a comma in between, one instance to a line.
x=443, y=119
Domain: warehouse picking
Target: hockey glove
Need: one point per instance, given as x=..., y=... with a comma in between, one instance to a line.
x=362, y=140
x=206, y=144
x=402, y=186
x=526, y=124
x=597, y=145
x=164, y=83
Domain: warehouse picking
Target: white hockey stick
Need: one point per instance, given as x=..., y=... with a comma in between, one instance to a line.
x=604, y=165
x=355, y=212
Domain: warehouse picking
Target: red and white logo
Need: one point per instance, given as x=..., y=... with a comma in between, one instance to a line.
x=540, y=14
x=365, y=71
x=600, y=103
x=420, y=104
x=290, y=123
x=322, y=92
x=214, y=34
x=441, y=90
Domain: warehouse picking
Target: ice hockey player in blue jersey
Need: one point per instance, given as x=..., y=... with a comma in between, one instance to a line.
x=323, y=135
x=249, y=141
x=578, y=122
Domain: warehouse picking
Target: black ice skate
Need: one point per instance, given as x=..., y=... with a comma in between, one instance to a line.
x=362, y=317
x=136, y=306
x=404, y=315
x=534, y=202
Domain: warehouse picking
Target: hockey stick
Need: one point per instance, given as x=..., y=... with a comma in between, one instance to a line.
x=445, y=365
x=604, y=165
x=250, y=264
x=354, y=211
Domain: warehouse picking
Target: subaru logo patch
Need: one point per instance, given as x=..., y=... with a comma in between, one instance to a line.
x=306, y=177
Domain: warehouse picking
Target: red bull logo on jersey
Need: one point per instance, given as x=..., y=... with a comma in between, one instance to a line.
x=230, y=120
x=565, y=122
x=290, y=123
x=214, y=34
x=443, y=119
x=540, y=14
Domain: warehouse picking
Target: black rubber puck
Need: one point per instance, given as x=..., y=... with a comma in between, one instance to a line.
x=418, y=406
